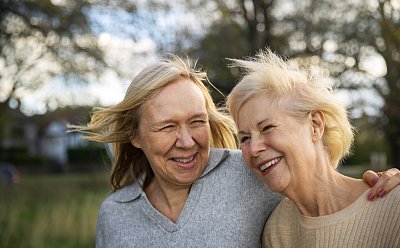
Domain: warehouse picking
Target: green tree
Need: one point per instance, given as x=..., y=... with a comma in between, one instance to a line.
x=339, y=36
x=389, y=24
x=40, y=40
x=213, y=55
x=49, y=40
x=46, y=42
x=346, y=36
x=243, y=27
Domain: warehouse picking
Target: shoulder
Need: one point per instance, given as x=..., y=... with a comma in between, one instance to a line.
x=285, y=211
x=229, y=161
x=116, y=215
x=220, y=159
x=126, y=194
x=116, y=200
x=232, y=173
x=395, y=193
x=231, y=156
x=281, y=226
x=282, y=218
x=221, y=154
x=391, y=200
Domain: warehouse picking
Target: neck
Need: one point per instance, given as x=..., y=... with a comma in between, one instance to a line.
x=168, y=200
x=325, y=192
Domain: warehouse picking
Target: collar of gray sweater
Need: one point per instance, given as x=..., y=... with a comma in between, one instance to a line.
x=133, y=191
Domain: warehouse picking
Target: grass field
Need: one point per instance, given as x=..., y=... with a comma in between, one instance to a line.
x=51, y=210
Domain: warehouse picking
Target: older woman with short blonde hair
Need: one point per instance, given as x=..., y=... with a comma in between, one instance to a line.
x=293, y=132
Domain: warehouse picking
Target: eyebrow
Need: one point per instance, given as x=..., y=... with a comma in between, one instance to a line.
x=241, y=133
x=199, y=115
x=258, y=126
x=262, y=121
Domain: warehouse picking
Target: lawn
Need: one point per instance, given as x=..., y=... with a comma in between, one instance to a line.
x=51, y=210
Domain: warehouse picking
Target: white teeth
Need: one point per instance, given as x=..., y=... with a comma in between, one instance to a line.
x=184, y=160
x=269, y=164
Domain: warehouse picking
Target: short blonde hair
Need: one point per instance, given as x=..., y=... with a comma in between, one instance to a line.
x=119, y=123
x=269, y=74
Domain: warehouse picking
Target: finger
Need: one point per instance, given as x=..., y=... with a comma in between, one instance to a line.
x=391, y=179
x=388, y=180
x=370, y=177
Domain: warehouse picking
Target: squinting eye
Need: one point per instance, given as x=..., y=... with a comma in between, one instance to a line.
x=167, y=128
x=198, y=122
x=244, y=140
x=267, y=128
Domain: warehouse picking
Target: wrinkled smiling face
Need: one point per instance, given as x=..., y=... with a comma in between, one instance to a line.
x=277, y=147
x=174, y=133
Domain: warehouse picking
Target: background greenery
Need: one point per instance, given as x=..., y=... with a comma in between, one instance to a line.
x=48, y=42
x=51, y=210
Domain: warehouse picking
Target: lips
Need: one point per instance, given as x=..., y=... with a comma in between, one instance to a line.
x=265, y=165
x=185, y=162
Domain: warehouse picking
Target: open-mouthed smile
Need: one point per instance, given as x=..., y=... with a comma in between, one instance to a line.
x=264, y=166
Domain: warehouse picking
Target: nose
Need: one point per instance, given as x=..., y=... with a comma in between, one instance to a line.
x=256, y=146
x=184, y=138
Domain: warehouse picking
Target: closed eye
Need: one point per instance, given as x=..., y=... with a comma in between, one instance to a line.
x=267, y=128
x=167, y=128
x=244, y=139
x=198, y=122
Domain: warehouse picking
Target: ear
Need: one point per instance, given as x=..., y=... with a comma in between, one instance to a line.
x=317, y=124
x=135, y=141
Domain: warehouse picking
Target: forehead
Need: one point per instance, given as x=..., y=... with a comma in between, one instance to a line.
x=256, y=109
x=179, y=99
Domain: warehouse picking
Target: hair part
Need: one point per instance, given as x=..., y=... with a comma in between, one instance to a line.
x=299, y=91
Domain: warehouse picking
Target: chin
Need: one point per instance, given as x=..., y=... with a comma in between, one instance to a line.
x=275, y=187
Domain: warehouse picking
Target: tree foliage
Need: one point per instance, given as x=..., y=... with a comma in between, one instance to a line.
x=346, y=37
x=341, y=37
x=46, y=44
x=389, y=24
x=44, y=41
x=40, y=40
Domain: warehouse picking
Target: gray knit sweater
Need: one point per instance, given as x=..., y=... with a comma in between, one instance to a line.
x=226, y=207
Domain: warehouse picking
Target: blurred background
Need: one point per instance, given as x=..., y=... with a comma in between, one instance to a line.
x=59, y=58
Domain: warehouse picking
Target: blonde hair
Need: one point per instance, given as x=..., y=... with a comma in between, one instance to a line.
x=119, y=123
x=300, y=91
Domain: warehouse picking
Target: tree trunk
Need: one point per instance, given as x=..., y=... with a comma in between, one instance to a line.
x=4, y=120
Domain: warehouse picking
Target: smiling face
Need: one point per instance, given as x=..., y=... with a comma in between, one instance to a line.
x=277, y=147
x=174, y=133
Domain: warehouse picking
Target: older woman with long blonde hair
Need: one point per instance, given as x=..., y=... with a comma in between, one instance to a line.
x=175, y=182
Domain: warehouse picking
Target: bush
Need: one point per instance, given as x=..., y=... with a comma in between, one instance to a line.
x=21, y=155
x=88, y=154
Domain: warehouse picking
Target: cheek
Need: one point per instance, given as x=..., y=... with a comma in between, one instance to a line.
x=246, y=155
x=160, y=143
x=202, y=135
